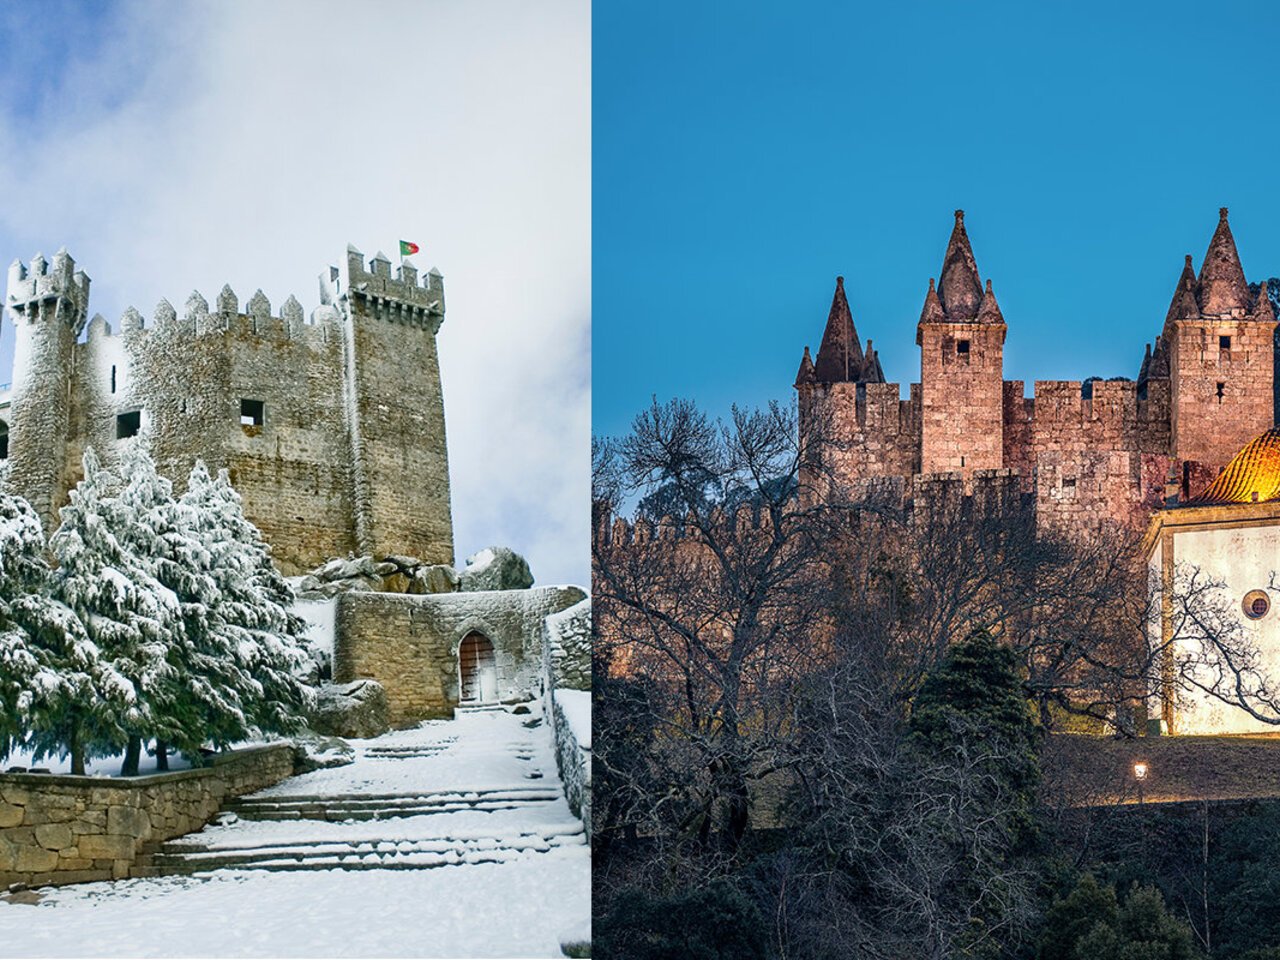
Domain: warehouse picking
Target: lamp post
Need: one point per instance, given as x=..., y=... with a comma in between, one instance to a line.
x=1140, y=774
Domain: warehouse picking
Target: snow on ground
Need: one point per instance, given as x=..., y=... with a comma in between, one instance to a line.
x=94, y=766
x=525, y=906
x=576, y=705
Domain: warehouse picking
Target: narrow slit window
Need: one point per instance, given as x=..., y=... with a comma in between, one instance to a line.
x=4, y=441
x=1224, y=343
x=1222, y=388
x=962, y=347
x=251, y=413
x=113, y=378
x=128, y=424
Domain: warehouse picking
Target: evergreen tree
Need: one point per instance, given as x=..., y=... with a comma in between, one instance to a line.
x=250, y=608
x=129, y=616
x=1088, y=925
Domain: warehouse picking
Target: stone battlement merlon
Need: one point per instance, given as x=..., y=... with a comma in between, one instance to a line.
x=58, y=282
x=400, y=299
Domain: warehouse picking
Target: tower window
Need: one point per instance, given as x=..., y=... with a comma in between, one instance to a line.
x=251, y=413
x=1222, y=387
x=128, y=424
x=1069, y=483
x=962, y=347
x=113, y=378
x=4, y=441
x=1224, y=343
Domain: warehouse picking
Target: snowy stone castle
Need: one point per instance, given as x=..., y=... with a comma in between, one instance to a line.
x=332, y=431
x=1084, y=453
x=309, y=418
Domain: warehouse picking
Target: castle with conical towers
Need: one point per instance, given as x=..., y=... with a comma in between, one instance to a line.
x=332, y=429
x=1084, y=453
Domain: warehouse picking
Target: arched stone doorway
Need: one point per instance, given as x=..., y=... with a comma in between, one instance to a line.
x=477, y=670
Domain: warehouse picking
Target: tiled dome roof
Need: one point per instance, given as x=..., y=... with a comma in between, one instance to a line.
x=1253, y=475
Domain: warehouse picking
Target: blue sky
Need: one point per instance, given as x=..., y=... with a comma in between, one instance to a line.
x=745, y=154
x=173, y=146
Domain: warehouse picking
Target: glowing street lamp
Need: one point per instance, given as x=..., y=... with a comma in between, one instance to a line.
x=1140, y=774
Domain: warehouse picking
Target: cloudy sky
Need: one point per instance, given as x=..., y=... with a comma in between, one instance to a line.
x=181, y=146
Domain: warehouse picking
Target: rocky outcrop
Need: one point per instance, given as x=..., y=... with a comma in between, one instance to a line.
x=358, y=710
x=321, y=753
x=496, y=568
x=393, y=573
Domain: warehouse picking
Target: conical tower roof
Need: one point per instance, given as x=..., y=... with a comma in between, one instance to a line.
x=1184, y=305
x=1253, y=475
x=805, y=373
x=1222, y=285
x=959, y=287
x=989, y=312
x=840, y=356
x=932, y=312
x=1262, y=309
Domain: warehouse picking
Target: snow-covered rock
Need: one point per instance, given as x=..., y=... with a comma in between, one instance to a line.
x=393, y=573
x=358, y=709
x=496, y=568
x=320, y=753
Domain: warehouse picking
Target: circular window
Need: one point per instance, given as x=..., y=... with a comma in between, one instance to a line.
x=1256, y=604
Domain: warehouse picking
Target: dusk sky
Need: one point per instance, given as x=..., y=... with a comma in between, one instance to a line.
x=173, y=146
x=748, y=153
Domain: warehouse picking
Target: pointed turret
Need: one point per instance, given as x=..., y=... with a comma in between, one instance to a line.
x=958, y=286
x=872, y=372
x=840, y=356
x=1262, y=309
x=989, y=312
x=1222, y=286
x=805, y=373
x=1184, y=305
x=1145, y=369
x=932, y=312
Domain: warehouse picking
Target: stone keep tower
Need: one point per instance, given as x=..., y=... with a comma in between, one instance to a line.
x=399, y=459
x=49, y=302
x=1220, y=356
x=961, y=338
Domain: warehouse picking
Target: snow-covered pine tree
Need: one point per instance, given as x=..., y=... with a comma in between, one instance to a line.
x=251, y=606
x=201, y=695
x=50, y=673
x=131, y=617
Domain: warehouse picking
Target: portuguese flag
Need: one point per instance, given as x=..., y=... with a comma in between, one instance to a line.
x=407, y=248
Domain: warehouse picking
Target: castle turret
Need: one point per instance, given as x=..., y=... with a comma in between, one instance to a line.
x=840, y=356
x=961, y=336
x=391, y=341
x=1221, y=356
x=48, y=303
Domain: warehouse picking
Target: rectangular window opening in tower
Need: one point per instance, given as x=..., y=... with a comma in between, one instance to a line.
x=251, y=413
x=113, y=378
x=1224, y=343
x=962, y=347
x=128, y=424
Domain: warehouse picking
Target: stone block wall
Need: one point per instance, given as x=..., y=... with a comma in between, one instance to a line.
x=573, y=760
x=962, y=397
x=409, y=643
x=71, y=829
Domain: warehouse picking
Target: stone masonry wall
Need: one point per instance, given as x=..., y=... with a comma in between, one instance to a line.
x=1209, y=428
x=962, y=397
x=409, y=643
x=70, y=829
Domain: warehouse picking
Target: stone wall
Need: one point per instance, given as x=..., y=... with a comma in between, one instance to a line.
x=70, y=829
x=573, y=759
x=409, y=643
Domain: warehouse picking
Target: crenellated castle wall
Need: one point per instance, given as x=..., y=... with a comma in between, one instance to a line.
x=349, y=454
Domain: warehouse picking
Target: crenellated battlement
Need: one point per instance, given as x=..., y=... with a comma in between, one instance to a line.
x=373, y=290
x=49, y=289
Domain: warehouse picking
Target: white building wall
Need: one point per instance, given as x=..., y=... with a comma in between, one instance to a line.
x=1243, y=559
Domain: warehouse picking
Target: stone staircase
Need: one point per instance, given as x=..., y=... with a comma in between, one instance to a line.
x=406, y=803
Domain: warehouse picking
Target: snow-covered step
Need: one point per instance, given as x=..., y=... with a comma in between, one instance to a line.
x=402, y=854
x=390, y=806
x=462, y=711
